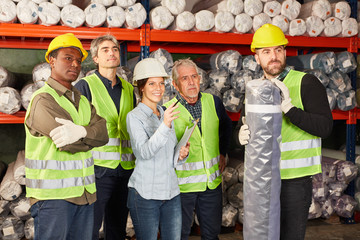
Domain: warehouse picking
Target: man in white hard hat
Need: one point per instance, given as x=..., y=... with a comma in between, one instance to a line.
x=113, y=98
x=200, y=177
x=306, y=119
x=61, y=129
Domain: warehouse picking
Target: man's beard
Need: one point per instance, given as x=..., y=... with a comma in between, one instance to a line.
x=274, y=71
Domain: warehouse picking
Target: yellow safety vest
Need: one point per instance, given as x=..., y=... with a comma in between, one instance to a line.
x=300, y=151
x=118, y=149
x=201, y=170
x=54, y=174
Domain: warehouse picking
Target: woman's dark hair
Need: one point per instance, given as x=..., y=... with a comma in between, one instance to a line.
x=141, y=84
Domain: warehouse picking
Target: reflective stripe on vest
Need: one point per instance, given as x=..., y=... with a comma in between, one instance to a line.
x=59, y=165
x=60, y=183
x=197, y=165
x=113, y=154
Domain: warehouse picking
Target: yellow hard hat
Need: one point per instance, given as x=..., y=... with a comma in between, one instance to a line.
x=64, y=41
x=268, y=35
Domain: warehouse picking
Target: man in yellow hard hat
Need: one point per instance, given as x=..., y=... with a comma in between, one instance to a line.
x=61, y=128
x=306, y=119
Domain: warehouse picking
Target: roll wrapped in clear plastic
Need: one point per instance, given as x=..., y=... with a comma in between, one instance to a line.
x=10, y=100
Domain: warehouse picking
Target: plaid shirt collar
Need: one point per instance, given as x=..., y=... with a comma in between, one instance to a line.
x=284, y=73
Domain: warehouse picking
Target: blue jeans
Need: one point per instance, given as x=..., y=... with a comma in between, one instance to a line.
x=149, y=215
x=208, y=208
x=62, y=220
x=295, y=201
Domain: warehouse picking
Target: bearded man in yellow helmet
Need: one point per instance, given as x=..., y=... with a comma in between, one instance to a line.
x=61, y=128
x=306, y=119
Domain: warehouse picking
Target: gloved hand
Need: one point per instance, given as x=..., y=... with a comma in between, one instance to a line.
x=68, y=133
x=244, y=133
x=286, y=104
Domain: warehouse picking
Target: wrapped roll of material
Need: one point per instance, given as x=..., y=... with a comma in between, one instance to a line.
x=282, y=22
x=10, y=100
x=328, y=168
x=314, y=26
x=253, y=7
x=249, y=63
x=349, y=27
x=115, y=16
x=12, y=228
x=125, y=73
x=320, y=189
x=40, y=74
x=198, y=5
x=241, y=170
x=27, y=12
x=26, y=93
x=95, y=15
x=224, y=22
x=9, y=188
x=297, y=27
x=243, y=23
x=241, y=215
x=204, y=20
x=290, y=9
x=19, y=168
x=185, y=21
x=259, y=20
x=235, y=195
x=235, y=6
x=125, y=3
x=219, y=79
x=7, y=11
x=346, y=100
x=324, y=61
x=29, y=229
x=135, y=16
x=214, y=92
x=204, y=79
x=345, y=206
x=262, y=179
x=49, y=14
x=339, y=81
x=332, y=27
x=229, y=61
x=36, y=1
x=7, y=79
x=61, y=3
x=346, y=171
x=4, y=208
x=164, y=58
x=106, y=3
x=20, y=208
x=345, y=61
x=239, y=79
x=160, y=18
x=314, y=210
x=320, y=74
x=175, y=6
x=233, y=100
x=229, y=216
x=72, y=16
x=341, y=10
x=272, y=8
x=229, y=177
x=319, y=8
x=327, y=209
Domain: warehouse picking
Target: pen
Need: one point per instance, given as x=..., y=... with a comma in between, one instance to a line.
x=176, y=102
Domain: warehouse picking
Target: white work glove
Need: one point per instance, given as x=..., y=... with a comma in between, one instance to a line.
x=244, y=133
x=68, y=133
x=286, y=104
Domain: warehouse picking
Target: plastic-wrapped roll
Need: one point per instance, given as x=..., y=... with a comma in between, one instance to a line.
x=345, y=206
x=229, y=177
x=175, y=6
x=332, y=27
x=262, y=179
x=214, y=92
x=349, y=27
x=72, y=16
x=290, y=9
x=314, y=26
x=26, y=93
x=106, y=3
x=41, y=72
x=229, y=61
x=4, y=208
x=339, y=81
x=160, y=17
x=341, y=10
x=204, y=20
x=235, y=6
x=135, y=16
x=170, y=91
x=224, y=22
x=346, y=171
x=95, y=15
x=36, y=1
x=239, y=79
x=233, y=100
x=253, y=7
x=9, y=188
x=282, y=22
x=7, y=79
x=320, y=190
x=27, y=12
x=115, y=16
x=49, y=14
x=345, y=61
x=259, y=20
x=185, y=21
x=164, y=57
x=204, y=79
x=125, y=3
x=324, y=61
x=320, y=74
x=19, y=168
x=7, y=11
x=229, y=216
x=219, y=79
x=198, y=5
x=235, y=195
x=297, y=27
x=272, y=8
x=319, y=8
x=328, y=168
x=259, y=75
x=336, y=189
x=61, y=3
x=21, y=207
x=240, y=170
x=314, y=210
x=10, y=100
x=12, y=228
x=125, y=73
x=249, y=63
x=327, y=209
x=29, y=229
x=241, y=215
x=243, y=23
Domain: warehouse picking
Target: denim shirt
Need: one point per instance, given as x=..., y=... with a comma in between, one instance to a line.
x=153, y=144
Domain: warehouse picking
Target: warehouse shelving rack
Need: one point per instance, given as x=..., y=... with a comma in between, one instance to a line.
x=144, y=40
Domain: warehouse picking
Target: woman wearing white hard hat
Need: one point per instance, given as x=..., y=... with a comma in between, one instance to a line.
x=154, y=200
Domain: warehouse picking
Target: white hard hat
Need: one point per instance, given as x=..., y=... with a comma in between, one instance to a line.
x=148, y=67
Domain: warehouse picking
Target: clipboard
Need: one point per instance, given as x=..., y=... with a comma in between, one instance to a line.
x=185, y=138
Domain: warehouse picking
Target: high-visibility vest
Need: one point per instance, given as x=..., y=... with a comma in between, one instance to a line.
x=201, y=170
x=300, y=151
x=54, y=174
x=118, y=149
